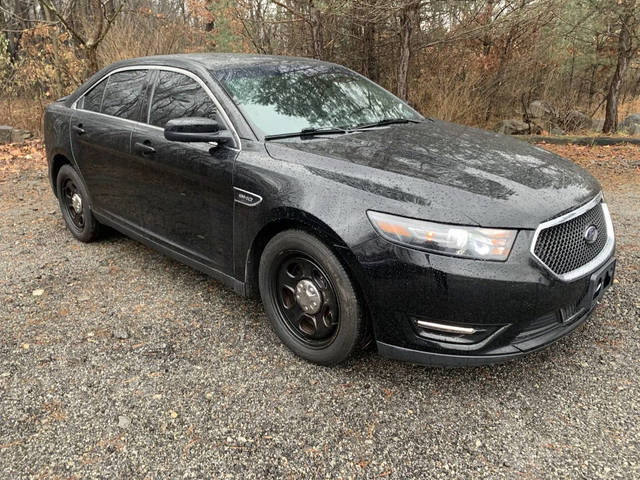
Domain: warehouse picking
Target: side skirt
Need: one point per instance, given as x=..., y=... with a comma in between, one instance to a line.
x=231, y=282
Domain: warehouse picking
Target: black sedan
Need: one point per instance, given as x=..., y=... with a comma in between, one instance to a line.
x=354, y=217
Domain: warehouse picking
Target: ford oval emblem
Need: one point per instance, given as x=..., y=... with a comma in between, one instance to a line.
x=591, y=234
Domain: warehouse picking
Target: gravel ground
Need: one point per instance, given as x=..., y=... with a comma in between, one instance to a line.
x=116, y=362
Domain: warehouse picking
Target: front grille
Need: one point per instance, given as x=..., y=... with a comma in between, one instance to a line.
x=563, y=248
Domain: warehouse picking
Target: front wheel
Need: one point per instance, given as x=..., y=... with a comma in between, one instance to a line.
x=309, y=298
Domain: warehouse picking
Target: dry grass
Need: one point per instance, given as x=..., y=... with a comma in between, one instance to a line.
x=161, y=36
x=23, y=113
x=628, y=107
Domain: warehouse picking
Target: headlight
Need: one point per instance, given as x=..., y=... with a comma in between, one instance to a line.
x=460, y=241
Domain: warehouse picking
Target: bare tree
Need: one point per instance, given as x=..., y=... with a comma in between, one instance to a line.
x=409, y=20
x=628, y=22
x=103, y=13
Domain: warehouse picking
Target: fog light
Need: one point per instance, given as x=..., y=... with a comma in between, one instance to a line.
x=441, y=327
x=449, y=333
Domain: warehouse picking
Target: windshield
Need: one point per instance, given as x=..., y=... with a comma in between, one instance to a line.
x=289, y=97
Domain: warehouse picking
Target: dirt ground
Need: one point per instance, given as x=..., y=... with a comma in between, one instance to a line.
x=117, y=362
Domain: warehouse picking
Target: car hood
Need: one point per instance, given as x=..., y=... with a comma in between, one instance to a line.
x=449, y=172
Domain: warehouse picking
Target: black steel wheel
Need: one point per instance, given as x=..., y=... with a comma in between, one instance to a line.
x=309, y=298
x=307, y=301
x=74, y=204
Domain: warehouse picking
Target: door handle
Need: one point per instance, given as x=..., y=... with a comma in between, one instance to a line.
x=78, y=129
x=144, y=148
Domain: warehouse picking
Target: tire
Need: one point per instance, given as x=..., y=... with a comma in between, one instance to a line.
x=77, y=215
x=298, y=271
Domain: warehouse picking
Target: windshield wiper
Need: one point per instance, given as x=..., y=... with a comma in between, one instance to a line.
x=383, y=122
x=307, y=132
x=310, y=132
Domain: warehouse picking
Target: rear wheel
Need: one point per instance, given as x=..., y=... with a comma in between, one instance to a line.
x=309, y=298
x=74, y=204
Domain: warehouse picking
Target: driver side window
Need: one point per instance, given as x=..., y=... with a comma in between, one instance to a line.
x=178, y=96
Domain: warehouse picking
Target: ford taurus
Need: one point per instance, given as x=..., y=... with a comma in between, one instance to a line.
x=351, y=215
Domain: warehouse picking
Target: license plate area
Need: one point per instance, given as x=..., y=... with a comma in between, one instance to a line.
x=600, y=281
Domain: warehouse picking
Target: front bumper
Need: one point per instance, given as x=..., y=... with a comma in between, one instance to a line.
x=500, y=355
x=513, y=307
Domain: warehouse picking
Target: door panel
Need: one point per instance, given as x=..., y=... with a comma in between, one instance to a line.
x=187, y=188
x=187, y=195
x=101, y=131
x=101, y=149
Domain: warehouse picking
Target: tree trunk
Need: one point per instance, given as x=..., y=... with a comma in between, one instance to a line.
x=315, y=21
x=92, y=59
x=592, y=85
x=408, y=20
x=20, y=24
x=56, y=49
x=625, y=52
x=369, y=52
x=485, y=19
x=494, y=87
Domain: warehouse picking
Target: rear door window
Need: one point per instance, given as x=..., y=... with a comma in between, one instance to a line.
x=177, y=96
x=123, y=95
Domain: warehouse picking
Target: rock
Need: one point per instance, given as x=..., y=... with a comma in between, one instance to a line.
x=634, y=130
x=120, y=333
x=536, y=128
x=576, y=121
x=556, y=131
x=631, y=124
x=123, y=422
x=10, y=134
x=512, y=127
x=5, y=133
x=540, y=109
x=542, y=116
x=19, y=135
x=597, y=124
x=37, y=292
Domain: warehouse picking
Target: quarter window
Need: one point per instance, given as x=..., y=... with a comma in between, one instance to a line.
x=123, y=94
x=92, y=101
x=178, y=96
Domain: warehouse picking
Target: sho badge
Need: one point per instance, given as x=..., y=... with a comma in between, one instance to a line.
x=246, y=198
x=591, y=234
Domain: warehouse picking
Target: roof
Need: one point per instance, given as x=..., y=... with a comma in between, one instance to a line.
x=215, y=61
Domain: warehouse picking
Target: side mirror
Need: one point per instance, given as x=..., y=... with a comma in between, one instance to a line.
x=195, y=129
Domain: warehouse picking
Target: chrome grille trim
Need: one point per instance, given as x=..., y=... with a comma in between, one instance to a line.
x=606, y=252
